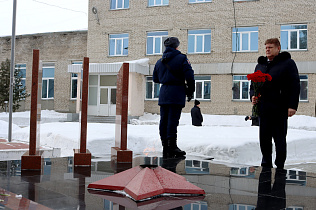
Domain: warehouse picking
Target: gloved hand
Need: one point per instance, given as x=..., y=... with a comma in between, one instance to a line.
x=189, y=97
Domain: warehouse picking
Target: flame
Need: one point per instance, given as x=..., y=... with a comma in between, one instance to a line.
x=148, y=150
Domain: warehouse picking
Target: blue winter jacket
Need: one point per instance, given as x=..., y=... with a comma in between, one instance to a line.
x=173, y=81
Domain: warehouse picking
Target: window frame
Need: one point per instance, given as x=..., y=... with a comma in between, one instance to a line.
x=21, y=67
x=199, y=1
x=149, y=79
x=48, y=80
x=196, y=205
x=244, y=0
x=288, y=37
x=239, y=38
x=75, y=78
x=295, y=208
x=303, y=80
x=116, y=5
x=124, y=37
x=154, y=37
x=240, y=88
x=203, y=81
x=198, y=79
x=239, y=206
x=196, y=34
x=155, y=4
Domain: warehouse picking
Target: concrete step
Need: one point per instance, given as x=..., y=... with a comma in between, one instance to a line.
x=101, y=119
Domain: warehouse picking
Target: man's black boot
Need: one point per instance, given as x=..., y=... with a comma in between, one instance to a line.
x=174, y=150
x=165, y=148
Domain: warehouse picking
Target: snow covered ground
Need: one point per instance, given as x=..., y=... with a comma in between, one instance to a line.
x=227, y=138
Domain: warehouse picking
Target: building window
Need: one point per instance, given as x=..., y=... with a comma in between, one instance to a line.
x=295, y=208
x=74, y=81
x=241, y=86
x=245, y=39
x=155, y=42
x=199, y=41
x=93, y=90
x=199, y=1
x=241, y=206
x=118, y=44
x=245, y=0
x=22, y=73
x=152, y=89
x=48, y=80
x=196, y=167
x=304, y=87
x=296, y=177
x=198, y=205
x=202, y=87
x=152, y=3
x=119, y=4
x=294, y=37
x=243, y=171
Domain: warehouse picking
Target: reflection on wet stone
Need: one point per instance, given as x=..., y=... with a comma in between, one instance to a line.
x=61, y=186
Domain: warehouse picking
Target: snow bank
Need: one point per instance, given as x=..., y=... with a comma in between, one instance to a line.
x=227, y=138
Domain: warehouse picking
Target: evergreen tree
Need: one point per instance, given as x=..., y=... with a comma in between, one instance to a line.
x=19, y=91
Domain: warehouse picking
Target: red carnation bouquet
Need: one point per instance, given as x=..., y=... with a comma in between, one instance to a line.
x=258, y=79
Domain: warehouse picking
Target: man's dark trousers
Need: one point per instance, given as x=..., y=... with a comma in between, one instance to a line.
x=273, y=126
x=169, y=121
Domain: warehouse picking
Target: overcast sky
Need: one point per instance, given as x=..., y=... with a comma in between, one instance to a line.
x=39, y=16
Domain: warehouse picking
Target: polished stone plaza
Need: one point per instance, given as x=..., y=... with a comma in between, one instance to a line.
x=60, y=185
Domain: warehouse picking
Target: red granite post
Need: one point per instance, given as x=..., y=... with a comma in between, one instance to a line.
x=32, y=159
x=84, y=105
x=33, y=118
x=120, y=153
x=82, y=157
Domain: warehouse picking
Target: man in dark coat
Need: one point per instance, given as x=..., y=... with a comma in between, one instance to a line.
x=175, y=73
x=196, y=115
x=278, y=101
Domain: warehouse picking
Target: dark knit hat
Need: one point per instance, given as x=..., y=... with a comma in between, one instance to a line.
x=172, y=42
x=196, y=102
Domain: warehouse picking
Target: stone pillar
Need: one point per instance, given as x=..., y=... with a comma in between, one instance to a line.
x=32, y=160
x=82, y=156
x=120, y=153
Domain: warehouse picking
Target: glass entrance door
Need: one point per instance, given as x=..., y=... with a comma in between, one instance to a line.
x=112, y=108
x=107, y=105
x=102, y=95
x=104, y=102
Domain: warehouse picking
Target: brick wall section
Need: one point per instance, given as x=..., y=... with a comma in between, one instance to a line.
x=61, y=48
x=180, y=16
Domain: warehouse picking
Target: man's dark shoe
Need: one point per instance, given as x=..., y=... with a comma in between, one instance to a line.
x=280, y=167
x=165, y=148
x=173, y=150
x=179, y=153
x=266, y=165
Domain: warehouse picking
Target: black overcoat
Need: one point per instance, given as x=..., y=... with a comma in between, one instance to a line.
x=196, y=116
x=282, y=92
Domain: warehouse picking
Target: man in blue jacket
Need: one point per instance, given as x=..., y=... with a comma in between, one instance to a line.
x=176, y=75
x=278, y=101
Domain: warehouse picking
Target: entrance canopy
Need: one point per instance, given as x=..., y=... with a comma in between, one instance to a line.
x=140, y=66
